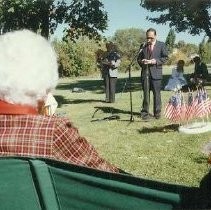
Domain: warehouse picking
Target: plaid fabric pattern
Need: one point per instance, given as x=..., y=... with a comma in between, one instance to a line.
x=48, y=137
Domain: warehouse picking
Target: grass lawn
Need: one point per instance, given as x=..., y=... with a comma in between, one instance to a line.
x=154, y=150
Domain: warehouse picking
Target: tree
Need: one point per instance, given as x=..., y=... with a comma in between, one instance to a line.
x=189, y=15
x=128, y=42
x=205, y=51
x=170, y=40
x=86, y=17
x=77, y=59
x=82, y=17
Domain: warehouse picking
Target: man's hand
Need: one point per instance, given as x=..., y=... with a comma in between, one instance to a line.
x=152, y=61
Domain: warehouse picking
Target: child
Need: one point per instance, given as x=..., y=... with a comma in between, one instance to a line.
x=177, y=80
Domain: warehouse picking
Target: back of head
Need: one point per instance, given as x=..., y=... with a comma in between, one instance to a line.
x=197, y=59
x=28, y=67
x=180, y=65
x=110, y=46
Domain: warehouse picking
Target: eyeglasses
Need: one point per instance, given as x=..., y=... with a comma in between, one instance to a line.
x=152, y=38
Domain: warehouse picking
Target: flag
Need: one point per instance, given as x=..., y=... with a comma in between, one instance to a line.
x=190, y=107
x=172, y=109
x=183, y=109
x=202, y=108
x=169, y=108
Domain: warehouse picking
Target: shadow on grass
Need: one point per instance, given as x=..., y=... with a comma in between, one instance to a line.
x=200, y=160
x=97, y=86
x=110, y=114
x=111, y=110
x=163, y=129
x=123, y=84
x=61, y=100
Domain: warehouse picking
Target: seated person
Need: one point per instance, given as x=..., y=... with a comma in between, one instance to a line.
x=177, y=80
x=28, y=72
x=200, y=74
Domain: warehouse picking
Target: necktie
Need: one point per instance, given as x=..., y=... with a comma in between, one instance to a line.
x=149, y=48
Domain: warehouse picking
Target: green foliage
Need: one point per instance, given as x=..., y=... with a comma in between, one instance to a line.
x=205, y=51
x=170, y=40
x=128, y=42
x=37, y=15
x=86, y=17
x=182, y=51
x=81, y=17
x=178, y=55
x=77, y=58
x=80, y=57
x=190, y=15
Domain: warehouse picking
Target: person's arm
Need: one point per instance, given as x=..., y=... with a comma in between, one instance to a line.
x=70, y=147
x=204, y=70
x=140, y=58
x=163, y=55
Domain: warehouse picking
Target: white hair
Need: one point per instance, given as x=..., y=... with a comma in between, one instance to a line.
x=28, y=67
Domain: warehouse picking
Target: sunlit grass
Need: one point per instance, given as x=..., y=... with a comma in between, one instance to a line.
x=155, y=149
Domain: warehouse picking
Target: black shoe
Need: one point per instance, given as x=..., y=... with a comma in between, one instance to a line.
x=157, y=116
x=147, y=117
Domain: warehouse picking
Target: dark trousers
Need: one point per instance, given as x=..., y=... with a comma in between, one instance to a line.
x=154, y=85
x=110, y=88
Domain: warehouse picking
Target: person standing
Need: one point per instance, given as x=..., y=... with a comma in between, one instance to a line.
x=110, y=71
x=151, y=58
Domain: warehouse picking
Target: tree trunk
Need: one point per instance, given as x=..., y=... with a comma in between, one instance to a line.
x=45, y=19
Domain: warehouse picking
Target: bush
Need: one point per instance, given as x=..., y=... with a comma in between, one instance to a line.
x=178, y=55
x=77, y=59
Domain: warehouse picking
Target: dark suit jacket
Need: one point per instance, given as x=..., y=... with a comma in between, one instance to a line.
x=159, y=53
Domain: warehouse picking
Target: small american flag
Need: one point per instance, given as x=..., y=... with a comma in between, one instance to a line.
x=189, y=109
x=172, y=110
x=169, y=108
x=177, y=110
x=183, y=109
x=202, y=108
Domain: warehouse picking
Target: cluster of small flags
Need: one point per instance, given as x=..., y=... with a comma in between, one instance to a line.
x=181, y=109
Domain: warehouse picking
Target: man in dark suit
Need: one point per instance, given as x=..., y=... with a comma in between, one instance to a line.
x=151, y=58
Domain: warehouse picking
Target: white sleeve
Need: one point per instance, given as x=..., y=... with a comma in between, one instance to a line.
x=116, y=63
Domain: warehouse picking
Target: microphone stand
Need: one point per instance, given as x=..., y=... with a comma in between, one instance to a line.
x=130, y=86
x=147, y=79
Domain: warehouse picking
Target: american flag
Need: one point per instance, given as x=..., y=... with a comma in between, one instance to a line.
x=169, y=108
x=183, y=109
x=177, y=110
x=202, y=108
x=172, y=109
x=190, y=107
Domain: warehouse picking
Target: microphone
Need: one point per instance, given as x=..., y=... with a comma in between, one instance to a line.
x=141, y=47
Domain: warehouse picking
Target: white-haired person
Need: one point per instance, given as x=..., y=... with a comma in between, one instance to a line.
x=28, y=72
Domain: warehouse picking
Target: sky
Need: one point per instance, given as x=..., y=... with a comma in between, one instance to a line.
x=123, y=14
